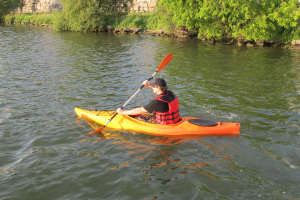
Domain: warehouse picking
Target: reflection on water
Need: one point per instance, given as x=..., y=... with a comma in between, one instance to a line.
x=45, y=74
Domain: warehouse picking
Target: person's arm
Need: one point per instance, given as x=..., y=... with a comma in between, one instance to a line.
x=136, y=111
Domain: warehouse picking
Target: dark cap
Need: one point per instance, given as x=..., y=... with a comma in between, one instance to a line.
x=159, y=82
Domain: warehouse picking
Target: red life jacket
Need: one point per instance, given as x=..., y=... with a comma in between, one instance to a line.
x=172, y=116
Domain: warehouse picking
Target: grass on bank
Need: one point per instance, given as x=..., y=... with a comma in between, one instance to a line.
x=37, y=18
x=147, y=20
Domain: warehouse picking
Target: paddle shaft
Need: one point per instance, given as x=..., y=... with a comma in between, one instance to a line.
x=125, y=104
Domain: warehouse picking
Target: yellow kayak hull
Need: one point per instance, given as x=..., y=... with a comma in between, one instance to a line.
x=184, y=127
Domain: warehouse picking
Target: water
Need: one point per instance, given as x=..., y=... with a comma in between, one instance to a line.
x=43, y=154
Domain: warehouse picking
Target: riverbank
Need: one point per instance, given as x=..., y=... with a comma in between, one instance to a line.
x=183, y=33
x=144, y=23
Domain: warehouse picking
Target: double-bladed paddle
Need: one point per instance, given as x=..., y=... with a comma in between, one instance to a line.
x=163, y=63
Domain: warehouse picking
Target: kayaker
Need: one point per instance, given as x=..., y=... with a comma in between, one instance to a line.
x=165, y=105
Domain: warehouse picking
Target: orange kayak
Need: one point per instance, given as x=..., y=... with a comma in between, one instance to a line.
x=187, y=125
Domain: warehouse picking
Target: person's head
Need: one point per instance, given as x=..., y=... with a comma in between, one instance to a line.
x=160, y=84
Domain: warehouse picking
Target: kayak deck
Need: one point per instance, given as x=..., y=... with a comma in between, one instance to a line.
x=184, y=127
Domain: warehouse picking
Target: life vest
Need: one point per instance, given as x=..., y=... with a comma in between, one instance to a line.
x=172, y=116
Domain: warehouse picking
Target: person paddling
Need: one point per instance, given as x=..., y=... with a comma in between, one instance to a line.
x=165, y=105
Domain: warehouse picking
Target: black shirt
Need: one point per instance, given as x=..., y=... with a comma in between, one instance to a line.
x=157, y=105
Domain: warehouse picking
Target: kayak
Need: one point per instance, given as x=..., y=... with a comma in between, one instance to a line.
x=186, y=126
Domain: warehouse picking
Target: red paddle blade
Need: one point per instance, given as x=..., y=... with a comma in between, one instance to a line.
x=165, y=61
x=95, y=131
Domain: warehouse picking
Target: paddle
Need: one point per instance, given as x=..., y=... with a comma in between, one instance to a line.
x=163, y=63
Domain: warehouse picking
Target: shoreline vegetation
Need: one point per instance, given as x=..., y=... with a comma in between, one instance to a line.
x=259, y=23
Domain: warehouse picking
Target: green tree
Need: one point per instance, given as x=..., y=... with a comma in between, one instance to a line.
x=6, y=6
x=83, y=15
x=252, y=19
x=78, y=15
x=114, y=5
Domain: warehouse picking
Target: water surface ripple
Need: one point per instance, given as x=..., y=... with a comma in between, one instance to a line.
x=43, y=154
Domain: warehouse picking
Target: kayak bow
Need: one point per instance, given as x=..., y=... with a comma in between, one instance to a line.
x=187, y=126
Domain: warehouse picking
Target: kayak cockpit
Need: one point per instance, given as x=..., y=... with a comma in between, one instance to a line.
x=152, y=121
x=202, y=122
x=197, y=121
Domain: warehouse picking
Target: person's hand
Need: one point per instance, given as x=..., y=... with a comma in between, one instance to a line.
x=120, y=111
x=146, y=83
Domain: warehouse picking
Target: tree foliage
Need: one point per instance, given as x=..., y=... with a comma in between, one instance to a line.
x=114, y=5
x=82, y=15
x=78, y=15
x=252, y=19
x=6, y=6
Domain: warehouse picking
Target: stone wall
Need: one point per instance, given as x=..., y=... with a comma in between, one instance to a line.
x=143, y=6
x=41, y=6
x=49, y=6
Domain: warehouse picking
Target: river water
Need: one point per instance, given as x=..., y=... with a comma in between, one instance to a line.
x=45, y=74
